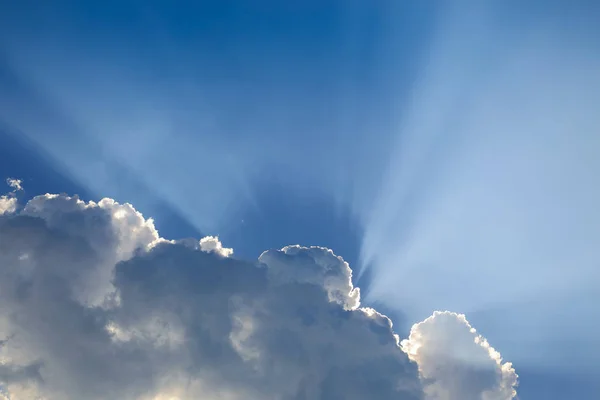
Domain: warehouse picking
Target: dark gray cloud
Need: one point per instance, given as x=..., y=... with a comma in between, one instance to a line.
x=95, y=305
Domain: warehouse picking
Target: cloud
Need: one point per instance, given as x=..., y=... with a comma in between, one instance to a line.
x=212, y=244
x=95, y=305
x=14, y=183
x=324, y=268
x=8, y=202
x=456, y=362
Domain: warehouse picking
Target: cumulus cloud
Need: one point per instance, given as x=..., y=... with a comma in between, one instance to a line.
x=95, y=305
x=324, y=268
x=455, y=362
x=212, y=244
x=8, y=202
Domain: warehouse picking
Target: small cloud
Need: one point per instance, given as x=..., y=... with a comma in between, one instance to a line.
x=8, y=204
x=15, y=184
x=455, y=362
x=212, y=244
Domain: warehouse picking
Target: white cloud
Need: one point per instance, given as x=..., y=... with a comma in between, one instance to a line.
x=14, y=183
x=455, y=362
x=95, y=305
x=8, y=204
x=212, y=244
x=109, y=233
x=315, y=265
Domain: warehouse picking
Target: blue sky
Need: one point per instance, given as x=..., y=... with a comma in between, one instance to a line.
x=447, y=150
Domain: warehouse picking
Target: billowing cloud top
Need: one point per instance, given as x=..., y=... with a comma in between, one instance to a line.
x=212, y=244
x=456, y=362
x=8, y=203
x=95, y=305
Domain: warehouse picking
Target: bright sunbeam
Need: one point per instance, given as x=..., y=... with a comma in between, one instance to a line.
x=491, y=196
x=208, y=133
x=199, y=136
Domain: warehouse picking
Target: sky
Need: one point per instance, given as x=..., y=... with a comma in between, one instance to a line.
x=446, y=150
